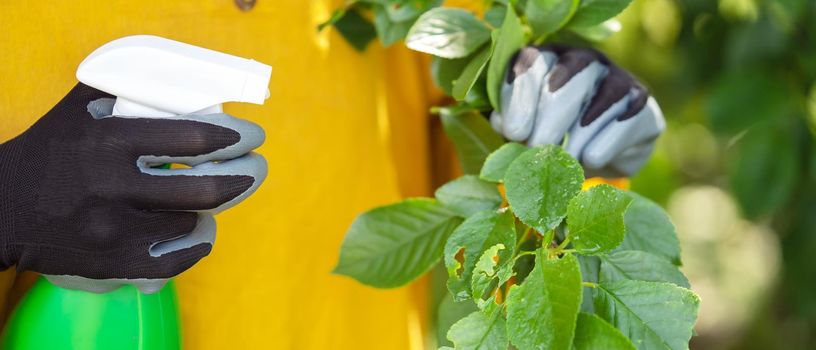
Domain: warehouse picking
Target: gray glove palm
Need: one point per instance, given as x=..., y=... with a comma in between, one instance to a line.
x=608, y=119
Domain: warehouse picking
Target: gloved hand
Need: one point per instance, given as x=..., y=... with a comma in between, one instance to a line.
x=608, y=119
x=79, y=195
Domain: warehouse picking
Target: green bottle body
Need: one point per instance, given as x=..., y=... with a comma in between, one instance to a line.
x=50, y=317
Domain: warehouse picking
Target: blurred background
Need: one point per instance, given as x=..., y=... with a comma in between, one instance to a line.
x=737, y=164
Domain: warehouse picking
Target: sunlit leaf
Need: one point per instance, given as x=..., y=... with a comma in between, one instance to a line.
x=540, y=183
x=392, y=245
x=592, y=12
x=595, y=219
x=448, y=33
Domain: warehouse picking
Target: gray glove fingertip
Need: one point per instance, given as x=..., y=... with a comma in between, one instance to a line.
x=496, y=121
x=618, y=136
x=252, y=136
x=581, y=135
x=252, y=164
x=558, y=111
x=204, y=232
x=519, y=115
x=630, y=161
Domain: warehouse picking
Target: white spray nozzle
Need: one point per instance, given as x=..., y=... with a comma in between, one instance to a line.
x=154, y=77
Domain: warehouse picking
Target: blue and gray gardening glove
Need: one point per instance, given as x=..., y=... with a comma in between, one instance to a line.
x=82, y=201
x=557, y=93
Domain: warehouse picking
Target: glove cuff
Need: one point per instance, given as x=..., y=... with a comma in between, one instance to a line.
x=10, y=153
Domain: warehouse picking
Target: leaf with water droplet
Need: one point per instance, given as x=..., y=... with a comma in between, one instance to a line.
x=540, y=183
x=595, y=219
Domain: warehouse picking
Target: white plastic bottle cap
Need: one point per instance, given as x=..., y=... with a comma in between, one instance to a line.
x=171, y=77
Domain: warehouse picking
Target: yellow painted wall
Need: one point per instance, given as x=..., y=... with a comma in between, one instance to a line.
x=340, y=128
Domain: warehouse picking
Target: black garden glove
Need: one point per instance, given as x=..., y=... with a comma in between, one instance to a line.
x=79, y=194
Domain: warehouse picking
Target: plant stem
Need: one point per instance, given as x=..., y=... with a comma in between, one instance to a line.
x=589, y=284
x=528, y=252
x=563, y=244
x=523, y=237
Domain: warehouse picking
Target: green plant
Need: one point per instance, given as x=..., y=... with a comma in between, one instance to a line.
x=552, y=268
x=547, y=265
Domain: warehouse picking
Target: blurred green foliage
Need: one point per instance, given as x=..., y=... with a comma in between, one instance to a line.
x=737, y=82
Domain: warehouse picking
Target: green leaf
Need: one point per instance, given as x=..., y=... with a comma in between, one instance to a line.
x=593, y=333
x=542, y=311
x=727, y=111
x=392, y=245
x=653, y=315
x=590, y=268
x=469, y=242
x=592, y=12
x=357, y=30
x=388, y=30
x=598, y=32
x=490, y=267
x=540, y=183
x=507, y=41
x=476, y=98
x=408, y=10
x=640, y=266
x=764, y=169
x=471, y=73
x=444, y=71
x=495, y=14
x=448, y=313
x=468, y=195
x=595, y=219
x=481, y=330
x=336, y=16
x=393, y=19
x=473, y=137
x=448, y=33
x=649, y=229
x=496, y=164
x=547, y=16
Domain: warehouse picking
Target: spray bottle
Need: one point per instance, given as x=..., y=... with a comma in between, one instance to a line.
x=151, y=77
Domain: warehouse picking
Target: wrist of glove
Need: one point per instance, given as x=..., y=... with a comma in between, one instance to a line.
x=604, y=117
x=81, y=197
